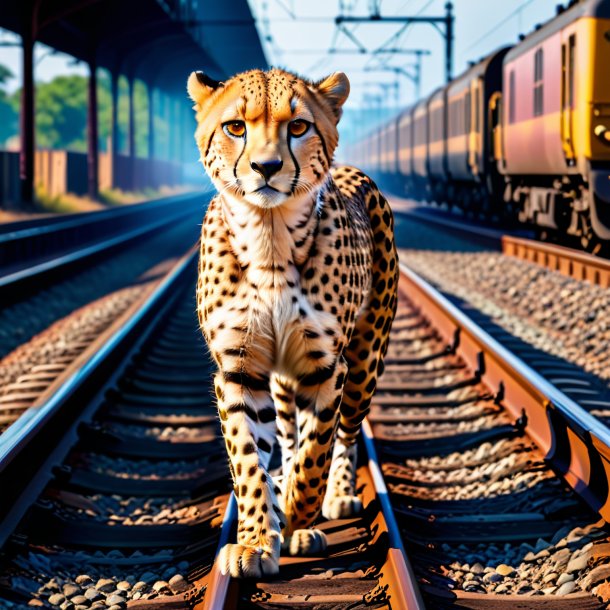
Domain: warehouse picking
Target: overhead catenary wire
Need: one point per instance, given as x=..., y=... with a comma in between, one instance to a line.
x=500, y=23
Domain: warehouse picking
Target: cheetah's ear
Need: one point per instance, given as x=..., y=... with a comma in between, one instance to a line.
x=200, y=86
x=334, y=89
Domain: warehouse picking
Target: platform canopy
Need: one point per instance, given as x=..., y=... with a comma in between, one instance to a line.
x=159, y=41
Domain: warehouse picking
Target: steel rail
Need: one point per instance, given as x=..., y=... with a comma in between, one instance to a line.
x=397, y=571
x=17, y=435
x=218, y=583
x=574, y=441
x=28, y=229
x=82, y=254
x=573, y=263
x=405, y=578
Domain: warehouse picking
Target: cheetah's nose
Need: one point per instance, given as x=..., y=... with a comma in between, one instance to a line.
x=267, y=168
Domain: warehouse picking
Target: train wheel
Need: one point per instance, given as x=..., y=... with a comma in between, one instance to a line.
x=588, y=240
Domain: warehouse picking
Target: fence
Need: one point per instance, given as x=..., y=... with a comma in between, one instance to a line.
x=61, y=171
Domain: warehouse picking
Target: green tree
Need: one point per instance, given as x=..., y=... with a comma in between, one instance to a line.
x=9, y=117
x=104, y=108
x=61, y=113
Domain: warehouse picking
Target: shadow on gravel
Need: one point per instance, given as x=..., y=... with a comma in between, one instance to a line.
x=587, y=389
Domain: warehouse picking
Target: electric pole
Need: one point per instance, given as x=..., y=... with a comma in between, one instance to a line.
x=443, y=24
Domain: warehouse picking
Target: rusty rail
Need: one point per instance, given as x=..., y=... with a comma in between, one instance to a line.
x=573, y=263
x=28, y=470
x=575, y=442
x=397, y=583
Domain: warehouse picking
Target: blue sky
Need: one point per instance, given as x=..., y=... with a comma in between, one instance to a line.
x=480, y=27
x=302, y=31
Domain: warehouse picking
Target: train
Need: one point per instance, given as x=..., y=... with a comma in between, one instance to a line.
x=522, y=136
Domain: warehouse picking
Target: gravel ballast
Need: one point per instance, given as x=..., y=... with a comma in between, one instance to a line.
x=564, y=317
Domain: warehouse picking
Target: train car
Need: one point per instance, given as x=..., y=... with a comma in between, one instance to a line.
x=353, y=154
x=389, y=153
x=554, y=146
x=438, y=177
x=366, y=163
x=405, y=150
x=471, y=98
x=372, y=152
x=384, y=150
x=419, y=150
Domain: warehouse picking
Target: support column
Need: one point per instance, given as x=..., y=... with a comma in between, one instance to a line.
x=28, y=141
x=184, y=131
x=132, y=119
x=183, y=139
x=114, y=126
x=177, y=128
x=151, y=121
x=448, y=41
x=131, y=142
x=171, y=132
x=417, y=79
x=92, y=138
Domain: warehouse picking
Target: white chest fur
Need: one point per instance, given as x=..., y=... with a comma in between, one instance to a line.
x=269, y=244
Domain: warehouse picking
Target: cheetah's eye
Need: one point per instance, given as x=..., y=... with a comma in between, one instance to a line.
x=237, y=129
x=298, y=128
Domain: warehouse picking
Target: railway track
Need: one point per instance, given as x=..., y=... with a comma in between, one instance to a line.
x=471, y=441
x=483, y=236
x=117, y=485
x=115, y=478
x=76, y=275
x=573, y=263
x=38, y=252
x=116, y=490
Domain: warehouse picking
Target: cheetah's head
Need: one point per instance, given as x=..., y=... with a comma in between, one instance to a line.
x=267, y=137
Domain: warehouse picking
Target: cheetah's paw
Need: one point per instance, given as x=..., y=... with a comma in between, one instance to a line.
x=241, y=561
x=340, y=507
x=306, y=542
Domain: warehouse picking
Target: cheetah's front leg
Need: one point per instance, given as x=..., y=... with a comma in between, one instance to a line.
x=306, y=485
x=283, y=394
x=248, y=424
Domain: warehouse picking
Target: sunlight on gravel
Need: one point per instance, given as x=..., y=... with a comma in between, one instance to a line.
x=559, y=315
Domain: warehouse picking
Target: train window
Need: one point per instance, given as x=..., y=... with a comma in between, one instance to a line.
x=511, y=97
x=538, y=83
x=571, y=75
x=476, y=112
x=564, y=96
x=467, y=114
x=450, y=119
x=453, y=118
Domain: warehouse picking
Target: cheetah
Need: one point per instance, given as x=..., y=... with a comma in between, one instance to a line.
x=296, y=294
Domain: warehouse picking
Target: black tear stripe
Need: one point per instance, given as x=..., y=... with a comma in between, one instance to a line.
x=239, y=156
x=297, y=169
x=323, y=144
x=207, y=150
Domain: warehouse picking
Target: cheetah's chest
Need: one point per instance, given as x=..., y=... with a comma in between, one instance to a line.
x=295, y=327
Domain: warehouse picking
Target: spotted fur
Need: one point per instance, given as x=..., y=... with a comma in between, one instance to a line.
x=297, y=292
